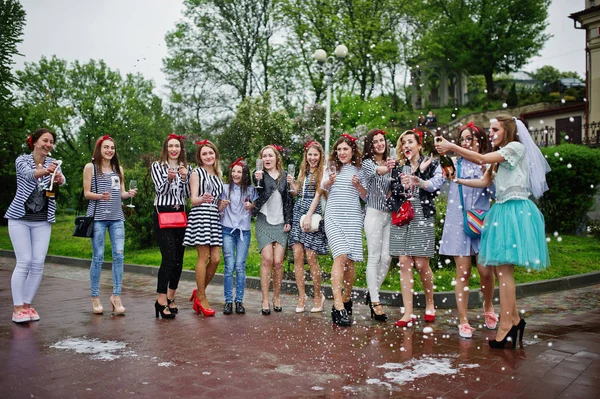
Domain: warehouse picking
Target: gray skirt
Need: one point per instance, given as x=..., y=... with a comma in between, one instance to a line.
x=268, y=233
x=416, y=238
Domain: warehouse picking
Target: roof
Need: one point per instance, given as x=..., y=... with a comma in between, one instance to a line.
x=575, y=16
x=554, y=111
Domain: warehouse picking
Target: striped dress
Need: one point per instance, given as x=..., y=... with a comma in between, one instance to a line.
x=316, y=241
x=343, y=216
x=204, y=226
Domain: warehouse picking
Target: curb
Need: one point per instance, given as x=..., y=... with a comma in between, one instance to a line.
x=442, y=300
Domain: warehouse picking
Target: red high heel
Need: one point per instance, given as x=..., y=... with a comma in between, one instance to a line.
x=197, y=306
x=429, y=317
x=402, y=323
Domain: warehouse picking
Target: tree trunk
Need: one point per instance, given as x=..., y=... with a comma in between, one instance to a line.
x=489, y=83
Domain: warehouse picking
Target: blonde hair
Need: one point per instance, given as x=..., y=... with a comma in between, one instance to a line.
x=217, y=156
x=315, y=179
x=399, y=152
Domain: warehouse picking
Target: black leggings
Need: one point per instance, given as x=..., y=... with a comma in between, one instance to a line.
x=170, y=242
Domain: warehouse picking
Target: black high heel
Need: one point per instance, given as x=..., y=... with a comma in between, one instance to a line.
x=340, y=317
x=512, y=334
x=378, y=317
x=160, y=309
x=169, y=302
x=277, y=308
x=521, y=327
x=348, y=307
x=368, y=299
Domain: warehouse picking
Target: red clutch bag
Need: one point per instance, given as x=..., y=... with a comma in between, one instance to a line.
x=172, y=220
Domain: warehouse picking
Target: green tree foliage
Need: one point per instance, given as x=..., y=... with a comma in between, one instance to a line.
x=81, y=102
x=484, y=37
x=573, y=182
x=548, y=74
x=254, y=126
x=219, y=54
x=12, y=22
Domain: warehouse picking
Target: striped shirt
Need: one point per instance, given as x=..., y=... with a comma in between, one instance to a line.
x=26, y=183
x=169, y=193
x=111, y=209
x=376, y=185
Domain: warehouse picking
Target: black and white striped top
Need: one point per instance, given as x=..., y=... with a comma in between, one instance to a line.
x=26, y=183
x=111, y=209
x=169, y=193
x=376, y=185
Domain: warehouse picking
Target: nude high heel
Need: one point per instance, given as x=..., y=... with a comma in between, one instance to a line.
x=117, y=307
x=97, y=306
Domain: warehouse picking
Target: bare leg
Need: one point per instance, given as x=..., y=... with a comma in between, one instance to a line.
x=298, y=250
x=407, y=284
x=426, y=275
x=508, y=301
x=278, y=255
x=201, y=264
x=349, y=277
x=463, y=273
x=215, y=257
x=266, y=265
x=337, y=277
x=486, y=277
x=315, y=272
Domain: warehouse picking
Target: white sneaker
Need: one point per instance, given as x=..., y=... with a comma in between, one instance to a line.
x=465, y=330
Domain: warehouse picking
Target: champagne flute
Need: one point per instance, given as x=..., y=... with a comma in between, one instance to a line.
x=208, y=187
x=109, y=181
x=259, y=168
x=132, y=186
x=332, y=168
x=407, y=171
x=292, y=170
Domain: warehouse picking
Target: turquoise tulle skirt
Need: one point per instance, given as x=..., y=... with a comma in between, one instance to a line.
x=514, y=233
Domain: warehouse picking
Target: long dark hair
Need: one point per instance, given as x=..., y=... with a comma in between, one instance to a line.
x=244, y=182
x=315, y=179
x=368, y=150
x=356, y=156
x=35, y=136
x=479, y=133
x=164, y=152
x=97, y=157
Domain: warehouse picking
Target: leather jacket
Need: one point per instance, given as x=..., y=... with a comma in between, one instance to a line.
x=269, y=185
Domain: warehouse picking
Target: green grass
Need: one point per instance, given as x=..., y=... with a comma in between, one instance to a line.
x=573, y=255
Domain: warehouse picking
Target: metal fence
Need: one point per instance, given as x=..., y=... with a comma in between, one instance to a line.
x=587, y=134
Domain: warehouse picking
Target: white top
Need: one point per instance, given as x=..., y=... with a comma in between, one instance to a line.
x=273, y=209
x=512, y=178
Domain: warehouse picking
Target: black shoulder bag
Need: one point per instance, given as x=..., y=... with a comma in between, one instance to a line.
x=84, y=225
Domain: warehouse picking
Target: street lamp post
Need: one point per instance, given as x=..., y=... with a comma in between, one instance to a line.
x=330, y=66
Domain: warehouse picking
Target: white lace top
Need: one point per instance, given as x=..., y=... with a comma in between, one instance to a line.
x=512, y=178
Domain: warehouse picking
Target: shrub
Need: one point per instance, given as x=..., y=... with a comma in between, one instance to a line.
x=573, y=183
x=513, y=99
x=138, y=220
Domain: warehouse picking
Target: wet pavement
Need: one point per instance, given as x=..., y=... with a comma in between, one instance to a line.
x=72, y=353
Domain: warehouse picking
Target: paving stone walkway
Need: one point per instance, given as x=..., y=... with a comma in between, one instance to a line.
x=73, y=353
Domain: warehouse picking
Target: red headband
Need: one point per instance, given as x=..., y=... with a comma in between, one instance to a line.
x=352, y=139
x=203, y=142
x=236, y=162
x=420, y=133
x=277, y=147
x=30, y=142
x=471, y=126
x=376, y=132
x=105, y=137
x=309, y=143
x=176, y=137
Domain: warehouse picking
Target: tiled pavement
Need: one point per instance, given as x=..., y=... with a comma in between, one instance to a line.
x=285, y=354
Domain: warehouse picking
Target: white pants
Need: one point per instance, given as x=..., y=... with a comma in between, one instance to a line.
x=30, y=242
x=377, y=231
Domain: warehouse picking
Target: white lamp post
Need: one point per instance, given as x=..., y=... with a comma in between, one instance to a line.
x=330, y=66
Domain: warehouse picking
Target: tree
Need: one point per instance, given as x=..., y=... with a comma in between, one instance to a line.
x=366, y=27
x=219, y=54
x=12, y=22
x=81, y=102
x=484, y=37
x=255, y=125
x=547, y=74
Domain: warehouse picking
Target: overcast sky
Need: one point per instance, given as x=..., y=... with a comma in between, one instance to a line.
x=129, y=34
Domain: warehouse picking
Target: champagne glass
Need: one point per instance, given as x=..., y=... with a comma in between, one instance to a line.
x=132, y=186
x=259, y=168
x=208, y=187
x=332, y=168
x=109, y=182
x=292, y=170
x=407, y=171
